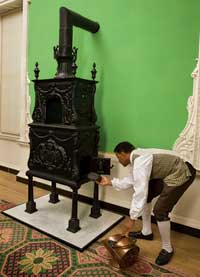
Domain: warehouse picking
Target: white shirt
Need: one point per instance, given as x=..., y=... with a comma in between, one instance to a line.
x=138, y=180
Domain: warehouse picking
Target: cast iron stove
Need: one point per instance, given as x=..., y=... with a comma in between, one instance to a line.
x=63, y=135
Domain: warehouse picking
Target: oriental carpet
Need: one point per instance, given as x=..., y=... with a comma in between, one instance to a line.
x=25, y=252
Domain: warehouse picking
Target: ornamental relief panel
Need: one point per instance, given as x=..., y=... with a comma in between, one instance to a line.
x=188, y=143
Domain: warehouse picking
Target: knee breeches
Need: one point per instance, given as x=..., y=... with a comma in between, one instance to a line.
x=168, y=195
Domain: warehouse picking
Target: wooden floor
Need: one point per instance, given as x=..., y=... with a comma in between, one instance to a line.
x=187, y=248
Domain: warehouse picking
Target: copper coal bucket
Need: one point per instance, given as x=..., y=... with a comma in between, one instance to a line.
x=124, y=250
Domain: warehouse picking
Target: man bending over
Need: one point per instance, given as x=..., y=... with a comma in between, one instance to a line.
x=151, y=175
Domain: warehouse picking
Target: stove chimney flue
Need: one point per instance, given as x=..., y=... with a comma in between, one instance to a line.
x=63, y=52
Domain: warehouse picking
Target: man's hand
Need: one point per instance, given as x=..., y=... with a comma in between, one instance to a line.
x=105, y=181
x=129, y=224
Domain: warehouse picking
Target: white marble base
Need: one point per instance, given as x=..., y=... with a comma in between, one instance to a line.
x=53, y=220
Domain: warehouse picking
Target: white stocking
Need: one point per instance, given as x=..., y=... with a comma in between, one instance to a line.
x=146, y=220
x=164, y=228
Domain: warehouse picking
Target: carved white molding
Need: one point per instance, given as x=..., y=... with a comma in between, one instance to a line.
x=188, y=143
x=25, y=112
x=27, y=116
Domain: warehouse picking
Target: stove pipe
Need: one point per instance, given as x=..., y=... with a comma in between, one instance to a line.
x=63, y=52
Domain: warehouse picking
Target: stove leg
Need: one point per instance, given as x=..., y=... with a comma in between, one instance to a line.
x=74, y=221
x=95, y=210
x=53, y=197
x=30, y=205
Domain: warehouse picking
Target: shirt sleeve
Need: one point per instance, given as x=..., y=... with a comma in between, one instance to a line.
x=141, y=174
x=124, y=183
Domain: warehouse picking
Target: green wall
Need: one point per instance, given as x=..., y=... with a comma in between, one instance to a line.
x=145, y=52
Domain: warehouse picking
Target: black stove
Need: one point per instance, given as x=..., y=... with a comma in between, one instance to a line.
x=64, y=136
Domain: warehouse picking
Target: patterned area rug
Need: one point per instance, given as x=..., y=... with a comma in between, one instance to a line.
x=25, y=252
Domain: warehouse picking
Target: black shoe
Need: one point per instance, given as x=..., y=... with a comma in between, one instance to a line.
x=139, y=235
x=164, y=257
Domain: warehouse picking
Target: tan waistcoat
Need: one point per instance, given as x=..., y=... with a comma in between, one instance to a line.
x=171, y=169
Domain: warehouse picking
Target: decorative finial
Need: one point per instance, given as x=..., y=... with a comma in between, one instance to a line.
x=74, y=57
x=93, y=71
x=56, y=51
x=36, y=70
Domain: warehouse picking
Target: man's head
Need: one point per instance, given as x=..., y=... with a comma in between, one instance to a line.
x=123, y=151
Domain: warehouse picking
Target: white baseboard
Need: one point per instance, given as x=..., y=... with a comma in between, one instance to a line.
x=185, y=221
